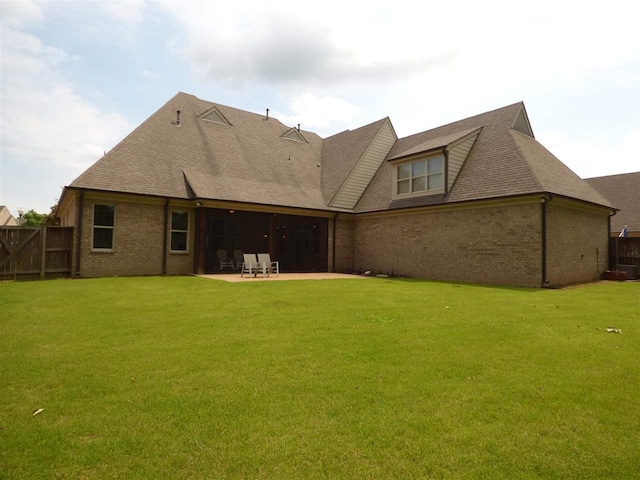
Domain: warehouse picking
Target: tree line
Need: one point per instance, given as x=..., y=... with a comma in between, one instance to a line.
x=35, y=219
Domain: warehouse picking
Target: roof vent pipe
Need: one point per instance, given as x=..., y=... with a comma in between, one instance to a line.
x=267, y=119
x=178, y=117
x=298, y=127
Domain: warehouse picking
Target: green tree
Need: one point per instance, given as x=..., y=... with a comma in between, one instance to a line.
x=32, y=219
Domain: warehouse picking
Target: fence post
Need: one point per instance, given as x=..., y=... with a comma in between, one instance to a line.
x=43, y=261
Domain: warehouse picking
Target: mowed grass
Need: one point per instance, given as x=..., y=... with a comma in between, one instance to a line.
x=184, y=377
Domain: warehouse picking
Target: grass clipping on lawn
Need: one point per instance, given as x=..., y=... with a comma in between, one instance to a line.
x=186, y=377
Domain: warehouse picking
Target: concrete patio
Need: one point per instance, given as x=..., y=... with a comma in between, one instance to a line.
x=235, y=277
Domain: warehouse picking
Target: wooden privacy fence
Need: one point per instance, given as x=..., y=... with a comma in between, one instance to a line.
x=28, y=253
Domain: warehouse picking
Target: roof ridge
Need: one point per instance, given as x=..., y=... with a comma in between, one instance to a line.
x=359, y=128
x=461, y=120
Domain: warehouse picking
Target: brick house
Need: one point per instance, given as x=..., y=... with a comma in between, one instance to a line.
x=477, y=200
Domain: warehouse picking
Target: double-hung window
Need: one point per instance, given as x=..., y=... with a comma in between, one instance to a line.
x=422, y=176
x=179, y=230
x=103, y=226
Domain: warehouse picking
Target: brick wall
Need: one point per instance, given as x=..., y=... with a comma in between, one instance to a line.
x=137, y=242
x=495, y=245
x=344, y=244
x=577, y=242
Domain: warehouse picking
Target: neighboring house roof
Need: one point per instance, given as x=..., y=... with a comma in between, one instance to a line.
x=6, y=219
x=623, y=191
x=222, y=153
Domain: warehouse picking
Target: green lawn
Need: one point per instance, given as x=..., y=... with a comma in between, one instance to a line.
x=184, y=377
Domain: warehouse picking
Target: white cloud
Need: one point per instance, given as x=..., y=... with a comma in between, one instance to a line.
x=17, y=14
x=597, y=156
x=335, y=41
x=415, y=59
x=153, y=76
x=42, y=117
x=316, y=112
x=128, y=11
x=46, y=125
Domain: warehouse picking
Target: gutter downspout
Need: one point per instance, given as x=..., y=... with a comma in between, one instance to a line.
x=445, y=151
x=164, y=236
x=545, y=201
x=333, y=248
x=79, y=239
x=611, y=266
x=196, y=234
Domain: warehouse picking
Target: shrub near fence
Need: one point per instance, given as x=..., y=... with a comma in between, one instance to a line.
x=28, y=253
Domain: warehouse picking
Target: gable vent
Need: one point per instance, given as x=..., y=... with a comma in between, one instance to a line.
x=294, y=134
x=521, y=124
x=215, y=116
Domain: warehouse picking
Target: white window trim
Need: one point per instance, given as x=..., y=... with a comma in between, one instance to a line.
x=94, y=226
x=424, y=193
x=171, y=230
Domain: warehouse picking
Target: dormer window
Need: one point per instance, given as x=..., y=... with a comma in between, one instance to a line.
x=423, y=176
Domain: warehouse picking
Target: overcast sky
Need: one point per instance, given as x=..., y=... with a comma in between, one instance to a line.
x=77, y=77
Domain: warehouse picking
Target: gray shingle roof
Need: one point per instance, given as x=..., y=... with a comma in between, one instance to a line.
x=431, y=144
x=502, y=163
x=245, y=161
x=623, y=191
x=249, y=161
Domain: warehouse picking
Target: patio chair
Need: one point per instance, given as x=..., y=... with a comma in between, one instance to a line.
x=267, y=265
x=238, y=258
x=224, y=261
x=250, y=265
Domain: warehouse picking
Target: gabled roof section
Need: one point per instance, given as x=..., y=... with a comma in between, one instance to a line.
x=521, y=123
x=365, y=168
x=6, y=219
x=430, y=145
x=294, y=134
x=498, y=165
x=214, y=115
x=341, y=153
x=457, y=144
x=623, y=191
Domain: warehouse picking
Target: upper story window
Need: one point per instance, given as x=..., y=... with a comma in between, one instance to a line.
x=419, y=177
x=179, y=230
x=103, y=226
